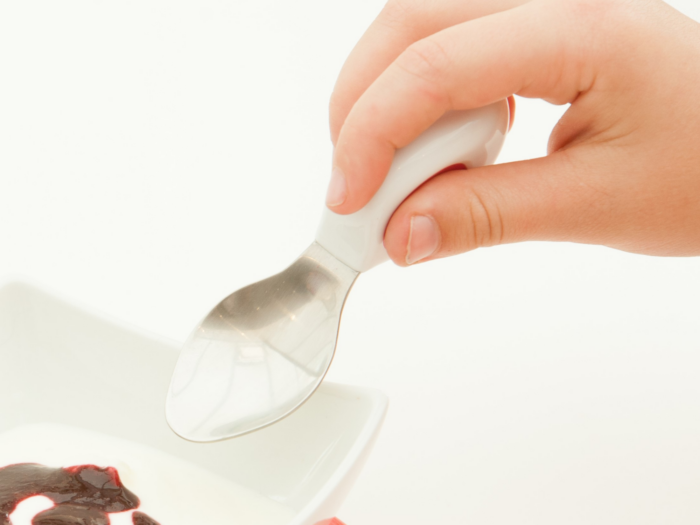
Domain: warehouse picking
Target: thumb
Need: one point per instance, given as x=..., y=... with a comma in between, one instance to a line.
x=459, y=211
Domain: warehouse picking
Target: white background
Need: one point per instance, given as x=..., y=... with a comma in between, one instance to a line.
x=155, y=156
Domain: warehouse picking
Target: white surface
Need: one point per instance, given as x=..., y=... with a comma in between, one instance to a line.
x=531, y=384
x=166, y=485
x=27, y=509
x=61, y=365
x=472, y=138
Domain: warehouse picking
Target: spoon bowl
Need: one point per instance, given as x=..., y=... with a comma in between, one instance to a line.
x=261, y=351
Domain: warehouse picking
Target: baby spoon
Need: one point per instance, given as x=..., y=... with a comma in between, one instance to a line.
x=263, y=350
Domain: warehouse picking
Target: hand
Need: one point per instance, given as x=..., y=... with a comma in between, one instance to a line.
x=623, y=164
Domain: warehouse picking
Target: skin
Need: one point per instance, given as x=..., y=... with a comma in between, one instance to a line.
x=623, y=163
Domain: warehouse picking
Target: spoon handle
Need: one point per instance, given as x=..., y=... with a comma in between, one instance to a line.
x=472, y=138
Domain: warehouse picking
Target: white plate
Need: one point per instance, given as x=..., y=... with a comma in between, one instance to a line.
x=63, y=364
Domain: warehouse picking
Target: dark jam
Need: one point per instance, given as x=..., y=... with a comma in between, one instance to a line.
x=142, y=519
x=84, y=495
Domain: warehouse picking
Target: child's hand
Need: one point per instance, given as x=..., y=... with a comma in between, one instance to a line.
x=624, y=162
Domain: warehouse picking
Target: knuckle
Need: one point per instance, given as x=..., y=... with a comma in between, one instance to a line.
x=425, y=58
x=590, y=42
x=399, y=13
x=427, y=61
x=483, y=225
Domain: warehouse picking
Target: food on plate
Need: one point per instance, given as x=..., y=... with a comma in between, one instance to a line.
x=55, y=474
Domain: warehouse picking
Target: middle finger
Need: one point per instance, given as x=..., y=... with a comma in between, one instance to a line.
x=400, y=24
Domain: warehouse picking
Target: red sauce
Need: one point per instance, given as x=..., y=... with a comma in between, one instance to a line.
x=84, y=495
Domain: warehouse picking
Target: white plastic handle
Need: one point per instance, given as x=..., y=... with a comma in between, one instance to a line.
x=473, y=138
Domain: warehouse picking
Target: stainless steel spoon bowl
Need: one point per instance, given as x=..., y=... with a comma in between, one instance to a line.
x=261, y=352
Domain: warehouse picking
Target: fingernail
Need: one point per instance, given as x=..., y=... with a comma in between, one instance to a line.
x=423, y=239
x=337, y=189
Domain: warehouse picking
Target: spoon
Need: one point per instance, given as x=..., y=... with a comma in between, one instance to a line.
x=264, y=350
